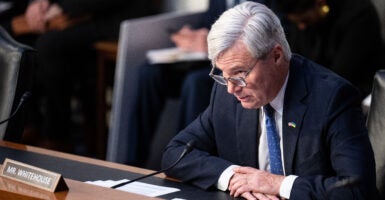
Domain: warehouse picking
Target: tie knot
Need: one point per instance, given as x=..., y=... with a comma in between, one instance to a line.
x=269, y=111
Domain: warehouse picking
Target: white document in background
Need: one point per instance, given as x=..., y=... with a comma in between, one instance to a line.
x=172, y=55
x=145, y=189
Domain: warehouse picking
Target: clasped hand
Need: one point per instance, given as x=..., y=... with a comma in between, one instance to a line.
x=41, y=16
x=251, y=183
x=191, y=40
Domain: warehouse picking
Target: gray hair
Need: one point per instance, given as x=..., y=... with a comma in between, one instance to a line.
x=252, y=23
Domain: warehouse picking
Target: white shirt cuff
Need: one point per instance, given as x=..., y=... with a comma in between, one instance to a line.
x=224, y=179
x=286, y=186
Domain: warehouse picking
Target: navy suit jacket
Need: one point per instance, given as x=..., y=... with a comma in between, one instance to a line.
x=329, y=141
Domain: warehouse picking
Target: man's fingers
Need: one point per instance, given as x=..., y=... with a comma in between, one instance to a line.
x=261, y=196
x=248, y=196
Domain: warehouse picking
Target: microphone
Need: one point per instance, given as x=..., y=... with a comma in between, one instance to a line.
x=23, y=99
x=189, y=146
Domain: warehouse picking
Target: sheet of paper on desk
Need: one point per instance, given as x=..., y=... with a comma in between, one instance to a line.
x=137, y=187
x=172, y=55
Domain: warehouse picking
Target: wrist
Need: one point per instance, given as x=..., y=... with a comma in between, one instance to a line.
x=286, y=186
x=278, y=180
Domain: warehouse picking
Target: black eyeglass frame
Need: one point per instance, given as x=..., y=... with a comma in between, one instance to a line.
x=238, y=81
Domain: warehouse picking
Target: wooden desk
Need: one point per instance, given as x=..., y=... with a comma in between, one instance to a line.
x=77, y=169
x=68, y=156
x=10, y=189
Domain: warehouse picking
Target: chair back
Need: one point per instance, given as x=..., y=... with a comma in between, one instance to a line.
x=136, y=37
x=376, y=128
x=16, y=66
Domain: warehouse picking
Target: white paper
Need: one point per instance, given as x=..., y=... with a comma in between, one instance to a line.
x=172, y=55
x=137, y=187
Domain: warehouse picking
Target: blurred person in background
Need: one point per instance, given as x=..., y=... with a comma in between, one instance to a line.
x=13, y=20
x=344, y=35
x=67, y=60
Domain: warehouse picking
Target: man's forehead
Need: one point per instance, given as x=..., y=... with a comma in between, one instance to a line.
x=234, y=56
x=229, y=65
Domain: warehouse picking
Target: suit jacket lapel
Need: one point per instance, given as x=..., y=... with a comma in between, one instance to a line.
x=293, y=112
x=247, y=139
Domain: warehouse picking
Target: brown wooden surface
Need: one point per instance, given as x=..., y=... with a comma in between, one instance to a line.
x=10, y=189
x=108, y=48
x=77, y=158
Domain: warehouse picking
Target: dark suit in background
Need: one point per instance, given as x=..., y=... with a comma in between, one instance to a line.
x=67, y=62
x=348, y=41
x=18, y=8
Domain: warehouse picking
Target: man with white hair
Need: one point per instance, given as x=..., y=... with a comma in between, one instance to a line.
x=278, y=125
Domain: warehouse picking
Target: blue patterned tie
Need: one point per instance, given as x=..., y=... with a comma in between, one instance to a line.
x=273, y=141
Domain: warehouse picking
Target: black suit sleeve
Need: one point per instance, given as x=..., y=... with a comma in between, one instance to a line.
x=202, y=166
x=348, y=153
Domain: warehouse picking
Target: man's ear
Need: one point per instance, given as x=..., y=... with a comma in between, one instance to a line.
x=277, y=53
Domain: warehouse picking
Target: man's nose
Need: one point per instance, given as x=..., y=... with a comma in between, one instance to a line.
x=232, y=88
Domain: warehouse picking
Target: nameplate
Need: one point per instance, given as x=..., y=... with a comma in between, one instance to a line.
x=33, y=176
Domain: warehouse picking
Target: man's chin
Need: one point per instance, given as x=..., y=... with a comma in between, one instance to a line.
x=248, y=105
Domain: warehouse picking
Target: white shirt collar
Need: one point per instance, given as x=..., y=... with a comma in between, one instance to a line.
x=277, y=102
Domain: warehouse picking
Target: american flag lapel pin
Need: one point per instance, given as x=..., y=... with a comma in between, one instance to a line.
x=292, y=124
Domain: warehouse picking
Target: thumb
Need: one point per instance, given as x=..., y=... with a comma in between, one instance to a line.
x=244, y=170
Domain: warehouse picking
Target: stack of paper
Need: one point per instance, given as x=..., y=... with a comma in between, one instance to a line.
x=172, y=55
x=137, y=187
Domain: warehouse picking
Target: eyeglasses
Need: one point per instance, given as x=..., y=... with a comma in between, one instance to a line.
x=238, y=81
